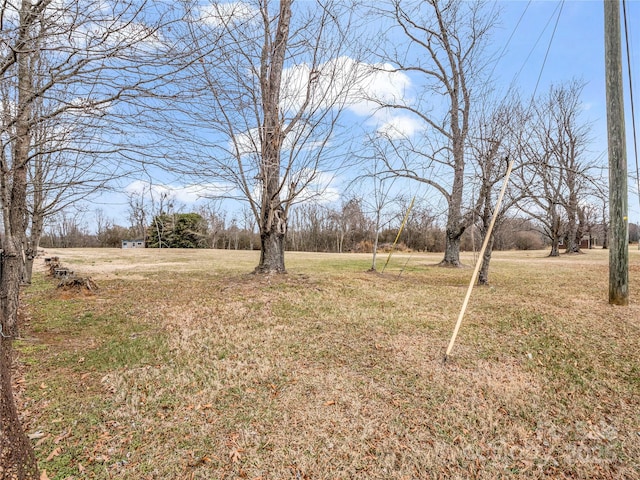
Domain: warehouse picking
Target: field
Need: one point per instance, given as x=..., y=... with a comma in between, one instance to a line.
x=183, y=365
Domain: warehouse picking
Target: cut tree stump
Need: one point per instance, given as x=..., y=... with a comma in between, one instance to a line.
x=74, y=282
x=62, y=273
x=68, y=280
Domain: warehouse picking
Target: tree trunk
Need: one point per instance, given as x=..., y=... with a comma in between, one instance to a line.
x=30, y=252
x=273, y=229
x=452, y=248
x=570, y=239
x=11, y=273
x=375, y=248
x=27, y=273
x=17, y=460
x=271, y=253
x=31, y=247
x=273, y=217
x=574, y=236
x=582, y=229
x=483, y=276
x=455, y=224
x=572, y=245
x=554, y=233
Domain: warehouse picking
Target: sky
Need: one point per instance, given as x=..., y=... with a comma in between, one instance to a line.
x=535, y=53
x=576, y=51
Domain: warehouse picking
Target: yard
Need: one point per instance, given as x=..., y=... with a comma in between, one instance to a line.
x=183, y=365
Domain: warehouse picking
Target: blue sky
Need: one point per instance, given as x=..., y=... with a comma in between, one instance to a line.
x=576, y=52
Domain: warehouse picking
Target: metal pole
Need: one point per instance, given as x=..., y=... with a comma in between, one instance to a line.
x=474, y=277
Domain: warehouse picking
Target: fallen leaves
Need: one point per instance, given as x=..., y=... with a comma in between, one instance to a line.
x=56, y=452
x=203, y=460
x=64, y=435
x=235, y=455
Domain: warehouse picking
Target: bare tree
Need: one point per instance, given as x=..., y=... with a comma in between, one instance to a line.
x=495, y=141
x=558, y=173
x=601, y=196
x=590, y=222
x=216, y=221
x=162, y=207
x=312, y=229
x=249, y=224
x=445, y=40
x=67, y=229
x=61, y=173
x=16, y=455
x=108, y=234
x=138, y=213
x=268, y=84
x=94, y=61
x=423, y=229
x=349, y=224
x=379, y=190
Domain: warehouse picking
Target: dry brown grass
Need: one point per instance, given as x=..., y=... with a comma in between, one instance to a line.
x=185, y=366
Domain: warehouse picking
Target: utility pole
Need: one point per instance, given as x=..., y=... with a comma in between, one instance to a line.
x=618, y=208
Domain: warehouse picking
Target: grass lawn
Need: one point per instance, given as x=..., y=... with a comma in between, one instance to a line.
x=183, y=365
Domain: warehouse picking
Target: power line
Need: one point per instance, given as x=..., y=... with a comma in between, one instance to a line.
x=633, y=114
x=546, y=55
x=513, y=32
x=535, y=45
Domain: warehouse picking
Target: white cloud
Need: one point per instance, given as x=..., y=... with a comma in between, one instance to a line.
x=97, y=26
x=360, y=87
x=398, y=126
x=248, y=143
x=88, y=107
x=320, y=187
x=138, y=35
x=188, y=194
x=364, y=89
x=378, y=85
x=317, y=187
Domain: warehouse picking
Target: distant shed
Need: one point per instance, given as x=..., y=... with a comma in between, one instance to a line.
x=132, y=243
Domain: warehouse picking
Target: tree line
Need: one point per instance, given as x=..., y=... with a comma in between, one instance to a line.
x=313, y=228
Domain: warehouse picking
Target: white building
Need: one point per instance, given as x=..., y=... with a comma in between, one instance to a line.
x=132, y=243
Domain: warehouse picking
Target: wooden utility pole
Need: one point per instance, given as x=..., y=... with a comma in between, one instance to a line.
x=618, y=214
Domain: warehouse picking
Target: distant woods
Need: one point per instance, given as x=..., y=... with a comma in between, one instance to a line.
x=314, y=228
